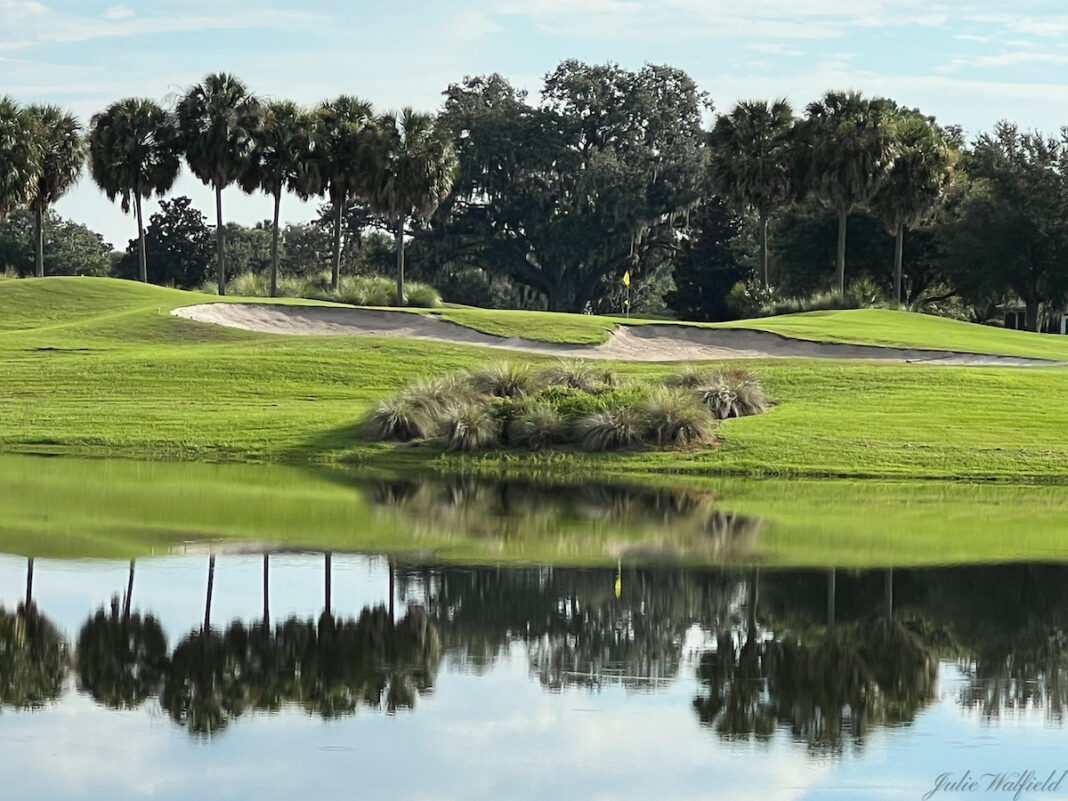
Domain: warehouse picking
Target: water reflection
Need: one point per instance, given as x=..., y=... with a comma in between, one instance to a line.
x=645, y=521
x=823, y=657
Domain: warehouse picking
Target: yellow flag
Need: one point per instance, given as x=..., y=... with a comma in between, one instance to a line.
x=626, y=278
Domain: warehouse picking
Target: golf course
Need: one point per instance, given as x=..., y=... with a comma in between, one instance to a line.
x=103, y=367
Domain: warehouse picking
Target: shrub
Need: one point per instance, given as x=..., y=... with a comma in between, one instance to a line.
x=689, y=377
x=674, y=417
x=577, y=374
x=540, y=426
x=404, y=416
x=469, y=426
x=610, y=430
x=573, y=404
x=733, y=393
x=250, y=285
x=369, y=290
x=505, y=380
x=421, y=296
x=365, y=290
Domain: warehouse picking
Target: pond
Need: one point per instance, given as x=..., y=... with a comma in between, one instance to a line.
x=174, y=631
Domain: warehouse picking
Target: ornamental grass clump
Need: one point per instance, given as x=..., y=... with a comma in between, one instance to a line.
x=733, y=393
x=506, y=380
x=540, y=426
x=403, y=416
x=469, y=426
x=610, y=430
x=577, y=374
x=689, y=377
x=569, y=405
x=672, y=416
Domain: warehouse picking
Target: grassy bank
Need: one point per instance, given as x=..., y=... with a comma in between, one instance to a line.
x=94, y=366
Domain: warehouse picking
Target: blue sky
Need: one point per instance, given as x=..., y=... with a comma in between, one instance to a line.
x=969, y=63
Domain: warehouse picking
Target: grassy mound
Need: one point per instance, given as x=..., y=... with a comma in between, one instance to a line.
x=568, y=404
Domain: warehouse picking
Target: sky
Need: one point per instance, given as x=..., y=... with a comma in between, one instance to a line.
x=968, y=63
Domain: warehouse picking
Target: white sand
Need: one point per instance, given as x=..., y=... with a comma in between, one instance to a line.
x=639, y=343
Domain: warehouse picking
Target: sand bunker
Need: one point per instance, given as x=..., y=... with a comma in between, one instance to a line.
x=637, y=343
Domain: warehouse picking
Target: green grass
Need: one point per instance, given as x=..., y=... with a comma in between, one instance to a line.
x=910, y=330
x=578, y=329
x=96, y=366
x=75, y=508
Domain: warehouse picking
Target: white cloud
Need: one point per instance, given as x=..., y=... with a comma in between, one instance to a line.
x=27, y=23
x=118, y=12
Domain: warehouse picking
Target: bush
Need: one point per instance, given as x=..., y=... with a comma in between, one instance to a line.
x=505, y=380
x=404, y=416
x=540, y=426
x=689, y=377
x=577, y=374
x=674, y=417
x=469, y=426
x=733, y=393
x=421, y=296
x=369, y=290
x=505, y=403
x=610, y=430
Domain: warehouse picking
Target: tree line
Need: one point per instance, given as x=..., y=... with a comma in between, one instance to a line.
x=549, y=203
x=400, y=164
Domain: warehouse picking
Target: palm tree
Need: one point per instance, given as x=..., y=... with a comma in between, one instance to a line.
x=416, y=168
x=751, y=162
x=62, y=147
x=283, y=159
x=846, y=139
x=20, y=157
x=218, y=120
x=134, y=153
x=345, y=134
x=915, y=183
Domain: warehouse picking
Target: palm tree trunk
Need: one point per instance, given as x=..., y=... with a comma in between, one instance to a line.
x=400, y=262
x=211, y=587
x=274, y=244
x=842, y=215
x=754, y=599
x=392, y=591
x=335, y=275
x=832, y=590
x=142, y=258
x=899, y=259
x=220, y=243
x=764, y=252
x=129, y=593
x=888, y=591
x=39, y=237
x=326, y=583
x=266, y=596
x=29, y=582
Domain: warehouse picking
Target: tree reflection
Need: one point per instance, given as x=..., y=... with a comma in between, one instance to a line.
x=576, y=631
x=329, y=668
x=34, y=658
x=121, y=657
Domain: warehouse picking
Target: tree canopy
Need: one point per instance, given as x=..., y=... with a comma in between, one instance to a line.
x=592, y=182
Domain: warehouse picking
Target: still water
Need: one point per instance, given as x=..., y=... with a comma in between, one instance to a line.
x=298, y=674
